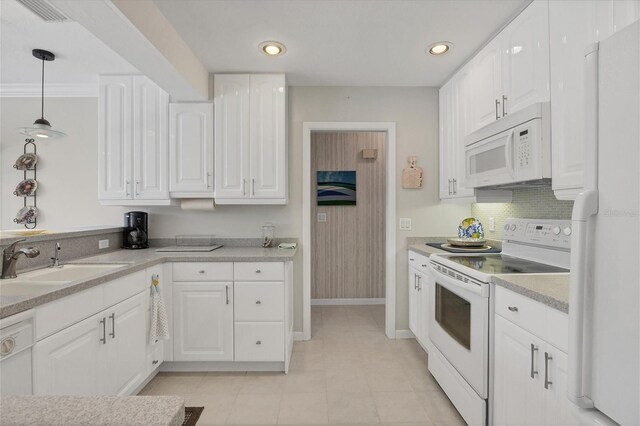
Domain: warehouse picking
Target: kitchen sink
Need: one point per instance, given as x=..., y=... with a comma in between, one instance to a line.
x=70, y=273
x=26, y=288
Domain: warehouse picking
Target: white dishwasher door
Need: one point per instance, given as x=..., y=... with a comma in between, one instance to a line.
x=16, y=343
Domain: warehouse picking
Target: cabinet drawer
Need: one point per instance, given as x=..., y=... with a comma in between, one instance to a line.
x=259, y=341
x=263, y=301
x=418, y=261
x=520, y=310
x=123, y=288
x=258, y=271
x=203, y=271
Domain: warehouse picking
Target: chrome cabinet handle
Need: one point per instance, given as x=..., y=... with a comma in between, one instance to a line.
x=113, y=325
x=450, y=190
x=411, y=259
x=127, y=185
x=103, y=321
x=253, y=187
x=201, y=271
x=513, y=308
x=208, y=179
x=547, y=358
x=415, y=281
x=155, y=361
x=258, y=271
x=533, y=370
x=244, y=187
x=454, y=186
x=504, y=105
x=258, y=342
x=137, y=182
x=226, y=290
x=258, y=302
x=497, y=106
x=419, y=285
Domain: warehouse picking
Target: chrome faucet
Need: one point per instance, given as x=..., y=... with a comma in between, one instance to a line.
x=10, y=257
x=56, y=260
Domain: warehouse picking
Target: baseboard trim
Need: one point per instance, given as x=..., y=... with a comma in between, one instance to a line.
x=298, y=336
x=405, y=334
x=330, y=302
x=203, y=366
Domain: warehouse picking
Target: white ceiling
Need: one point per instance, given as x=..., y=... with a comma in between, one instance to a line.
x=80, y=56
x=339, y=42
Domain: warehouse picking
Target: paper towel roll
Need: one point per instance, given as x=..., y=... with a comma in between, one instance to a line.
x=202, y=204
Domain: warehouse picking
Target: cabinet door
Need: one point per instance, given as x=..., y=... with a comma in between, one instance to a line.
x=525, y=60
x=518, y=398
x=446, y=140
x=191, y=149
x=150, y=140
x=573, y=25
x=413, y=302
x=115, y=145
x=268, y=135
x=71, y=362
x=625, y=12
x=126, y=345
x=487, y=86
x=460, y=101
x=203, y=321
x=232, y=135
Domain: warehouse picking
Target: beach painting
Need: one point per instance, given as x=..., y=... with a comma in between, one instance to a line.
x=337, y=188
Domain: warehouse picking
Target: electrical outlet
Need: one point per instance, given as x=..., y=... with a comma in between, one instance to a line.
x=322, y=217
x=492, y=224
x=103, y=244
x=405, y=224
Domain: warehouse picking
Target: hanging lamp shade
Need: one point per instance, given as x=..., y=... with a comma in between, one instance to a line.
x=41, y=128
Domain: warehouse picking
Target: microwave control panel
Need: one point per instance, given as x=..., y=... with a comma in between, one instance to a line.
x=524, y=147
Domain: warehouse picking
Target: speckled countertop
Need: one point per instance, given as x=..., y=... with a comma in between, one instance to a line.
x=550, y=289
x=136, y=260
x=91, y=410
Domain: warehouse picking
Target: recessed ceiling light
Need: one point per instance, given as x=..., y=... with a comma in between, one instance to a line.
x=440, y=48
x=272, y=48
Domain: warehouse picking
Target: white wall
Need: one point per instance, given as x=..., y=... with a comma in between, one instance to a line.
x=68, y=172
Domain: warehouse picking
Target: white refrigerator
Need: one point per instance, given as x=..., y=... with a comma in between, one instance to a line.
x=604, y=331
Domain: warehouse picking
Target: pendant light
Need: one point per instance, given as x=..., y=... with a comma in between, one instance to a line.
x=41, y=128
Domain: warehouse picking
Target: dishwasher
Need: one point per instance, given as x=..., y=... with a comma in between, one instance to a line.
x=16, y=343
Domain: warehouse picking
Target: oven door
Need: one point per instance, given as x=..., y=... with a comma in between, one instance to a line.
x=490, y=161
x=459, y=326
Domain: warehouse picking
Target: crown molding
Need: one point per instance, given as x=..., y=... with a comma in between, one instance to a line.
x=51, y=90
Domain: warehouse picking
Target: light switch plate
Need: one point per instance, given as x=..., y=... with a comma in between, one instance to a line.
x=405, y=224
x=492, y=224
x=103, y=244
x=322, y=217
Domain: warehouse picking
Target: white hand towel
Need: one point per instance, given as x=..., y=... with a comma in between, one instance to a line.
x=159, y=329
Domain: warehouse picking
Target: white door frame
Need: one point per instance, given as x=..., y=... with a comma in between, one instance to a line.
x=390, y=219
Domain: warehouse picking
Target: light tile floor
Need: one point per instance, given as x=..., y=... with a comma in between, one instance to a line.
x=349, y=373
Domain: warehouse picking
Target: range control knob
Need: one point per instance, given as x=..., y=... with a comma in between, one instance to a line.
x=556, y=230
x=506, y=226
x=513, y=227
x=567, y=231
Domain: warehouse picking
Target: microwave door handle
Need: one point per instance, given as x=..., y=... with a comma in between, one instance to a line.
x=508, y=152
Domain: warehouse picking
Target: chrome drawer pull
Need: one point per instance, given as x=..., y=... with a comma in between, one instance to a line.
x=547, y=358
x=533, y=350
x=258, y=342
x=513, y=308
x=226, y=292
x=103, y=321
x=113, y=325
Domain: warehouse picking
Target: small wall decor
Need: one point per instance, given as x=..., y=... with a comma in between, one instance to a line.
x=412, y=176
x=27, y=188
x=336, y=188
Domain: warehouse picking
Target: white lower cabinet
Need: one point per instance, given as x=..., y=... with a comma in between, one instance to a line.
x=530, y=373
x=419, y=298
x=259, y=341
x=101, y=355
x=203, y=321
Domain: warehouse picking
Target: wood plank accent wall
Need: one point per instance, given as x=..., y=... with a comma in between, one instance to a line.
x=348, y=250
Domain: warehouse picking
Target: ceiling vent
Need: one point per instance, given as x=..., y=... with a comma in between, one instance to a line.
x=44, y=10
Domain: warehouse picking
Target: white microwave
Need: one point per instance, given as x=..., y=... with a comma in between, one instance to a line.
x=514, y=151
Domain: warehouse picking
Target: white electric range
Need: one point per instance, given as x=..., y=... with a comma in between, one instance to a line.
x=459, y=297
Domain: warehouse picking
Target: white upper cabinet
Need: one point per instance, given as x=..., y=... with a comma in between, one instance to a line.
x=525, y=59
x=573, y=26
x=251, y=139
x=132, y=142
x=512, y=71
x=191, y=150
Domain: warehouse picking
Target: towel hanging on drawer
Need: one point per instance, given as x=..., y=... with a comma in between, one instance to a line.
x=159, y=329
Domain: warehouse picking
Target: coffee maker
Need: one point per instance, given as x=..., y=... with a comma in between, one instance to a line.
x=136, y=231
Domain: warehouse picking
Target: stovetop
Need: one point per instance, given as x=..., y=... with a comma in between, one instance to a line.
x=502, y=264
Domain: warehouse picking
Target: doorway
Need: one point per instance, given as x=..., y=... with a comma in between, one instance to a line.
x=349, y=250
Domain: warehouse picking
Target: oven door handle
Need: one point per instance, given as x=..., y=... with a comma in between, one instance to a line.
x=470, y=287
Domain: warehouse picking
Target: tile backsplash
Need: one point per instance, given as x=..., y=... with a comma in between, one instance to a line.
x=532, y=203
